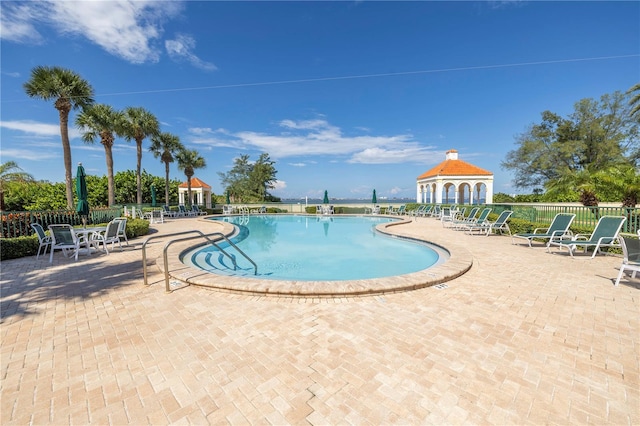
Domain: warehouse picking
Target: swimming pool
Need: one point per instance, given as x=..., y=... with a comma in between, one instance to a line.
x=315, y=248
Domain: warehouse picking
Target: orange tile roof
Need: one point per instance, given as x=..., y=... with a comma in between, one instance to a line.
x=455, y=168
x=195, y=183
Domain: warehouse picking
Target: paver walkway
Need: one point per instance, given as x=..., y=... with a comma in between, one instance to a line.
x=524, y=337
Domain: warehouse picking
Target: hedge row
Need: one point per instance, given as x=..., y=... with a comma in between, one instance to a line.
x=13, y=248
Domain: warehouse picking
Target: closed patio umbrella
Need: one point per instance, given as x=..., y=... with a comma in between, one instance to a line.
x=82, y=208
x=326, y=197
x=228, y=200
x=153, y=195
x=374, y=199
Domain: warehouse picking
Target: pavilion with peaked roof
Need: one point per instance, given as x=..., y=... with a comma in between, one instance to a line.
x=200, y=191
x=467, y=181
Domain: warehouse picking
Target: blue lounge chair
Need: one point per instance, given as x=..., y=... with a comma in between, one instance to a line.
x=478, y=221
x=558, y=229
x=488, y=227
x=605, y=234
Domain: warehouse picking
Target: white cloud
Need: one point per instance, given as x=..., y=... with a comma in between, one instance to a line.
x=319, y=138
x=279, y=185
x=36, y=129
x=181, y=49
x=30, y=154
x=128, y=29
x=298, y=164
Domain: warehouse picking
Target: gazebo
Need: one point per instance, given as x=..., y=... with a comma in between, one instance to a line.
x=201, y=193
x=466, y=180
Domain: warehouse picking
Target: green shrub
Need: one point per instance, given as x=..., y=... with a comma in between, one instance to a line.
x=137, y=227
x=14, y=248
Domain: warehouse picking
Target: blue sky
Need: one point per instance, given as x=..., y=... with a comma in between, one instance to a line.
x=344, y=96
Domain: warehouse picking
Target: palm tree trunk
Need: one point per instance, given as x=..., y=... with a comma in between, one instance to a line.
x=66, y=152
x=166, y=183
x=110, y=182
x=138, y=171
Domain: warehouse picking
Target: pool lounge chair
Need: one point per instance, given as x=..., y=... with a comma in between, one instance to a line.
x=488, y=227
x=605, y=234
x=478, y=221
x=631, y=255
x=168, y=212
x=462, y=219
x=558, y=229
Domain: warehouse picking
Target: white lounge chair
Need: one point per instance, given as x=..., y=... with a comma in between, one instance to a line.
x=488, y=227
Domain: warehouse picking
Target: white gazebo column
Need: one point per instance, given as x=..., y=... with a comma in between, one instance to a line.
x=418, y=193
x=439, y=188
x=489, y=196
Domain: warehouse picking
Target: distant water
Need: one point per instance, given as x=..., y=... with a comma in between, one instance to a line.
x=381, y=201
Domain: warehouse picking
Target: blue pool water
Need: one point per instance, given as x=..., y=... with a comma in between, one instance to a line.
x=315, y=248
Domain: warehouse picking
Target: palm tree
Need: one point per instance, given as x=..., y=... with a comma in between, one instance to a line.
x=102, y=121
x=188, y=161
x=10, y=172
x=634, y=102
x=70, y=91
x=165, y=145
x=139, y=124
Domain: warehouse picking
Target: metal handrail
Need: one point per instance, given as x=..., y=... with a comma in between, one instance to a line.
x=144, y=248
x=222, y=236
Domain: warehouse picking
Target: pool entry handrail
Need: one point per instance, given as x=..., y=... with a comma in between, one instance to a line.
x=200, y=235
x=213, y=243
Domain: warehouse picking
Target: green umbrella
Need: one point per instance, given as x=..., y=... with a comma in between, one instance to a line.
x=374, y=199
x=228, y=200
x=326, y=197
x=153, y=195
x=82, y=208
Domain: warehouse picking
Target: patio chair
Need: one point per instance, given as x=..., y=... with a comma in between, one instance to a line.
x=435, y=212
x=426, y=211
x=558, y=229
x=64, y=238
x=259, y=210
x=605, y=234
x=227, y=209
x=631, y=255
x=372, y=210
x=110, y=235
x=488, y=227
x=122, y=229
x=43, y=239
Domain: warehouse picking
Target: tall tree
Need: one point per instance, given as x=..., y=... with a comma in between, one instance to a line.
x=102, y=121
x=596, y=136
x=634, y=102
x=11, y=172
x=70, y=91
x=250, y=182
x=263, y=176
x=137, y=125
x=188, y=161
x=236, y=180
x=166, y=146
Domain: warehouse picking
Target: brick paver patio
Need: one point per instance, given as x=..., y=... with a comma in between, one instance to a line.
x=524, y=337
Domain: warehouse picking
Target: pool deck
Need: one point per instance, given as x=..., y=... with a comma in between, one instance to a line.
x=523, y=337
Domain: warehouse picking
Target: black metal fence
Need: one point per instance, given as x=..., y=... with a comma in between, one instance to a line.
x=17, y=224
